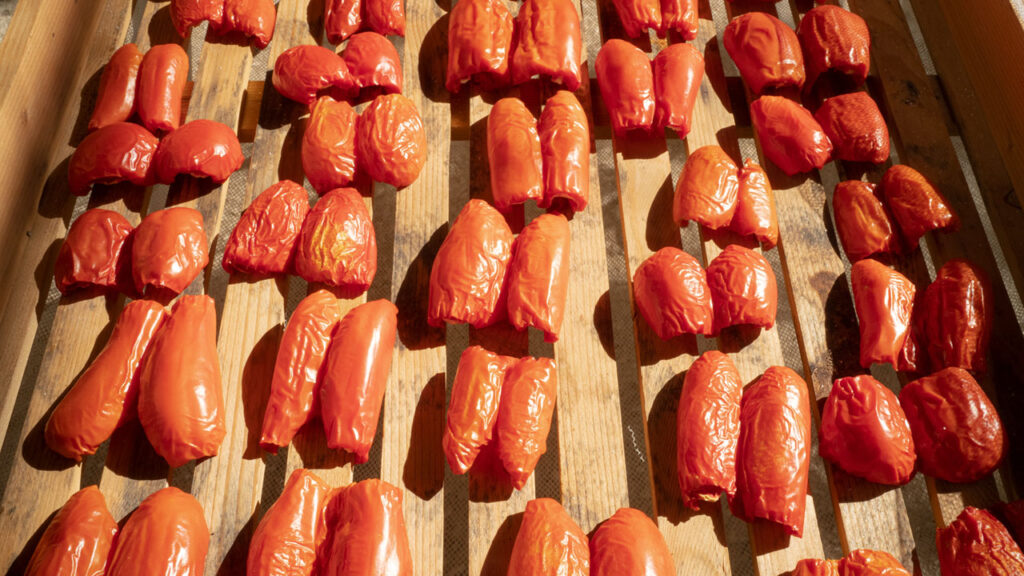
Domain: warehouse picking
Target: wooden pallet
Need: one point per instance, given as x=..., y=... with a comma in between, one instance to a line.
x=613, y=442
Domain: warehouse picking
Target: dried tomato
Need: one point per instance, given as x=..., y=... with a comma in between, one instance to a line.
x=385, y=17
x=524, y=416
x=169, y=249
x=479, y=44
x=548, y=43
x=815, y=567
x=337, y=244
x=681, y=16
x=862, y=221
x=629, y=543
x=549, y=542
x=957, y=317
x=856, y=127
x=884, y=301
x=976, y=544
x=93, y=254
x=286, y=539
x=78, y=539
x=1011, y=514
x=253, y=19
x=834, y=39
x=163, y=74
x=302, y=72
x=115, y=153
x=366, y=531
x=188, y=13
x=766, y=51
x=638, y=16
x=200, y=148
x=373, y=63
x=329, y=144
x=264, y=240
x=473, y=409
x=115, y=101
x=627, y=86
x=707, y=188
x=671, y=292
x=916, y=204
x=755, y=206
x=167, y=534
x=871, y=563
x=513, y=154
x=565, y=151
x=390, y=141
x=678, y=71
x=790, y=137
x=743, y=289
x=342, y=18
x=539, y=275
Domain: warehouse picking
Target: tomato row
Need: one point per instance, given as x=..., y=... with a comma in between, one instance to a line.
x=253, y=19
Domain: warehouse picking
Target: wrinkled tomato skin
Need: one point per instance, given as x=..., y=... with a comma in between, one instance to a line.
x=77, y=541
x=169, y=249
x=342, y=18
x=790, y=137
x=202, y=149
x=390, y=142
x=816, y=567
x=629, y=544
x=755, y=206
x=473, y=409
x=916, y=205
x=862, y=221
x=743, y=289
x=549, y=542
x=167, y=534
x=871, y=563
x=293, y=388
x=958, y=317
x=884, y=301
x=115, y=153
x=264, y=240
x=856, y=128
x=93, y=254
x=329, y=144
x=678, y=71
x=524, y=416
x=105, y=395
x=163, y=74
x=188, y=13
x=373, y=63
x=355, y=375
x=708, y=429
x=539, y=275
x=681, y=16
x=707, y=189
x=479, y=44
x=385, y=17
x=301, y=72
x=548, y=43
x=957, y=432
x=337, y=244
x=366, y=531
x=766, y=51
x=976, y=544
x=115, y=101
x=627, y=86
x=181, y=405
x=514, y=154
x=638, y=16
x=671, y=292
x=865, y=432
x=253, y=19
x=834, y=39
x=468, y=276
x=565, y=151
x=284, y=543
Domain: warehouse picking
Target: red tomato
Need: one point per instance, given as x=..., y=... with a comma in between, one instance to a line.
x=169, y=249
x=976, y=544
x=539, y=275
x=671, y=292
x=468, y=275
x=78, y=539
x=302, y=72
x=266, y=236
x=163, y=74
x=479, y=44
x=916, y=204
x=708, y=429
x=884, y=300
x=115, y=153
x=834, y=39
x=865, y=432
x=390, y=141
x=297, y=369
x=638, y=16
x=337, y=244
x=707, y=188
x=115, y=101
x=250, y=18
x=105, y=395
x=366, y=531
x=957, y=317
x=202, y=149
x=862, y=222
x=342, y=18
x=957, y=432
x=743, y=289
x=790, y=137
x=167, y=534
x=814, y=567
x=188, y=13
x=627, y=86
x=755, y=206
x=548, y=43
x=871, y=563
x=678, y=71
x=285, y=541
x=565, y=151
x=856, y=127
x=329, y=144
x=524, y=416
x=549, y=542
x=766, y=51
x=513, y=154
x=385, y=17
x=681, y=16
x=473, y=408
x=92, y=255
x=1012, y=515
x=629, y=544
x=181, y=407
x=373, y=63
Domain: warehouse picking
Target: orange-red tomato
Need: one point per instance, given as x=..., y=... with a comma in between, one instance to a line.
x=627, y=86
x=264, y=240
x=468, y=276
x=865, y=432
x=681, y=16
x=479, y=44
x=329, y=144
x=834, y=39
x=549, y=542
x=285, y=542
x=789, y=135
x=93, y=255
x=565, y=151
x=366, y=531
x=671, y=292
x=539, y=275
x=385, y=17
x=916, y=204
x=342, y=18
x=629, y=544
x=708, y=429
x=202, y=149
x=884, y=301
x=862, y=222
x=957, y=432
x=250, y=18
x=337, y=244
x=78, y=539
x=871, y=563
x=524, y=416
x=181, y=407
x=678, y=71
x=169, y=249
x=473, y=409
x=548, y=43
x=707, y=188
x=297, y=369
x=638, y=16
x=105, y=395
x=163, y=74
x=976, y=544
x=957, y=317
x=167, y=534
x=115, y=153
x=390, y=141
x=373, y=63
x=755, y=206
x=743, y=289
x=766, y=51
x=188, y=13
x=302, y=72
x=513, y=154
x=856, y=127
x=115, y=101
x=815, y=567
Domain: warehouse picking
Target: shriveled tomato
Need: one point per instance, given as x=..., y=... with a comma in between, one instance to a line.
x=513, y=154
x=342, y=18
x=285, y=541
x=524, y=417
x=181, y=405
x=539, y=275
x=373, y=63
x=629, y=544
x=790, y=137
x=671, y=292
x=856, y=127
x=163, y=74
x=884, y=301
x=678, y=71
x=816, y=567
x=115, y=153
x=743, y=288
x=549, y=542
x=266, y=236
x=296, y=378
x=916, y=205
x=627, y=86
x=681, y=16
x=385, y=17
x=390, y=141
x=366, y=531
x=957, y=317
x=329, y=144
x=871, y=563
x=201, y=149
x=976, y=544
x=707, y=188
x=565, y=151
x=638, y=16
x=77, y=540
x=766, y=51
x=468, y=276
x=548, y=43
x=834, y=39
x=957, y=432
x=479, y=44
x=167, y=534
x=473, y=409
x=862, y=221
x=302, y=72
x=169, y=249
x=755, y=206
x=708, y=429
x=337, y=244
x=188, y=13
x=93, y=255
x=115, y=101
x=249, y=18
